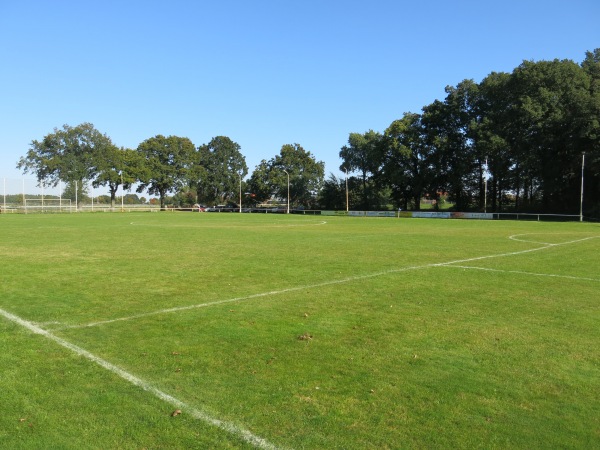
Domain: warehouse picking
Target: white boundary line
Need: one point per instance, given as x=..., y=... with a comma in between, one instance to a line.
x=520, y=272
x=276, y=224
x=516, y=237
x=317, y=285
x=196, y=413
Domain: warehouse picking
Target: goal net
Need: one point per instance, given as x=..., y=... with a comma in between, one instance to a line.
x=47, y=205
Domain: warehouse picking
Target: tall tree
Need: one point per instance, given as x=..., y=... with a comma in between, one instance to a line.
x=259, y=183
x=333, y=193
x=306, y=175
x=448, y=125
x=491, y=133
x=591, y=65
x=116, y=167
x=408, y=163
x=67, y=155
x=219, y=170
x=551, y=128
x=363, y=154
x=166, y=164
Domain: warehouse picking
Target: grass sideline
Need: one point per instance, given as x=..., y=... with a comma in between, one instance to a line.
x=317, y=332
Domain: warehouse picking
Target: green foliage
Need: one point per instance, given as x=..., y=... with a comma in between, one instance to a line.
x=117, y=167
x=218, y=171
x=333, y=194
x=294, y=164
x=259, y=184
x=363, y=154
x=68, y=155
x=514, y=141
x=515, y=138
x=76, y=191
x=184, y=199
x=166, y=165
x=408, y=166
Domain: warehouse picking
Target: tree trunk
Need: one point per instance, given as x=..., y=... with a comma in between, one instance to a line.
x=161, y=193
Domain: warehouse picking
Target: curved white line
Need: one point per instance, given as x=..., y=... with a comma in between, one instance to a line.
x=514, y=237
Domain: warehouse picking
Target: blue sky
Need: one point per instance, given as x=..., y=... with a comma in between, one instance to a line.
x=265, y=73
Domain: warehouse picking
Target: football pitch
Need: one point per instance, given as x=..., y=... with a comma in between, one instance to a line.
x=187, y=330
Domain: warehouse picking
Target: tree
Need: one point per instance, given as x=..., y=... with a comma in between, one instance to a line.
x=490, y=132
x=115, y=167
x=219, y=171
x=165, y=164
x=364, y=155
x=305, y=175
x=591, y=65
x=407, y=168
x=333, y=193
x=259, y=183
x=553, y=123
x=270, y=179
x=68, y=155
x=449, y=125
x=76, y=192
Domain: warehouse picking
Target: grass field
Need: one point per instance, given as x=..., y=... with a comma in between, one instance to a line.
x=274, y=331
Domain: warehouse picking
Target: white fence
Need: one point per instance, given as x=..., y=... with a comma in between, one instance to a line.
x=27, y=195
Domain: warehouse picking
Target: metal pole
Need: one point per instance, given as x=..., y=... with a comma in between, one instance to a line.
x=581, y=197
x=122, y=192
x=346, y=190
x=485, y=187
x=240, y=192
x=485, y=198
x=288, y=189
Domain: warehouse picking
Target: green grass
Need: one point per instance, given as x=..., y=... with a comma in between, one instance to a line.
x=402, y=354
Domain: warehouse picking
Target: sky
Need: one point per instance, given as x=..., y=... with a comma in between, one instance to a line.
x=264, y=73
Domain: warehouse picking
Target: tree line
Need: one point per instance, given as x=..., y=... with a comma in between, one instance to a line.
x=513, y=142
x=211, y=173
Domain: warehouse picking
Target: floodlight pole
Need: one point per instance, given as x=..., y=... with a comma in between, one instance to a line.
x=288, y=190
x=122, y=192
x=240, y=192
x=485, y=180
x=346, y=170
x=581, y=197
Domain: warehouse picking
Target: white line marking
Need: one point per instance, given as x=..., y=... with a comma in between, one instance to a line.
x=278, y=224
x=520, y=272
x=196, y=413
x=317, y=285
x=515, y=237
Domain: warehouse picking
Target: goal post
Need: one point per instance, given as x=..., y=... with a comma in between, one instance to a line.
x=47, y=205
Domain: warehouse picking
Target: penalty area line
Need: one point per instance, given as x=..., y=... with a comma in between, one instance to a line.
x=520, y=272
x=316, y=285
x=229, y=427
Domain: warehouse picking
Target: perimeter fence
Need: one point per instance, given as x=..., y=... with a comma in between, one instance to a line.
x=28, y=196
